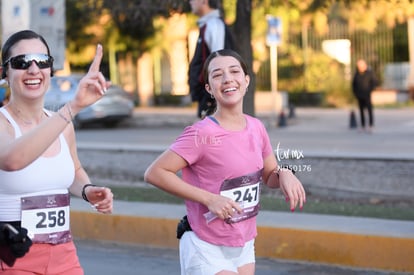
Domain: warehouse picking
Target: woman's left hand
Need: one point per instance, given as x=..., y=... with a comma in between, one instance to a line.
x=292, y=189
x=92, y=86
x=101, y=198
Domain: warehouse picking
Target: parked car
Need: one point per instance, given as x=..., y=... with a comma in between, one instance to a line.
x=115, y=106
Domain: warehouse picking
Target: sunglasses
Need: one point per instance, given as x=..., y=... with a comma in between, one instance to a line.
x=24, y=61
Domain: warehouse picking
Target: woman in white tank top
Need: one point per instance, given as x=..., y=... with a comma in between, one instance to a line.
x=39, y=165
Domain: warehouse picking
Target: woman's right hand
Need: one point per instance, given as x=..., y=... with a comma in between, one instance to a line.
x=223, y=207
x=92, y=86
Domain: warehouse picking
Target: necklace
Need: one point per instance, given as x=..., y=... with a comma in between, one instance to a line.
x=17, y=113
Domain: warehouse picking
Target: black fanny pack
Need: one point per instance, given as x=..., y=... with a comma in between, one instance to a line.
x=14, y=242
x=182, y=227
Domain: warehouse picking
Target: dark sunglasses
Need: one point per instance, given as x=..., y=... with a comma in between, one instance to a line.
x=24, y=61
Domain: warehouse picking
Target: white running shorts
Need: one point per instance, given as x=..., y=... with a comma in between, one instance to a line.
x=198, y=257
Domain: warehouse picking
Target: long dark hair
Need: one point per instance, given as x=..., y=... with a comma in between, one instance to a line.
x=223, y=52
x=15, y=38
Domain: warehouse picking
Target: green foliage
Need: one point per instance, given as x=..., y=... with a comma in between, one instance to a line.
x=131, y=22
x=79, y=16
x=321, y=75
x=137, y=26
x=229, y=10
x=367, y=24
x=135, y=18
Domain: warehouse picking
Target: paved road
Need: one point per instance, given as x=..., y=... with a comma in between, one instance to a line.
x=105, y=258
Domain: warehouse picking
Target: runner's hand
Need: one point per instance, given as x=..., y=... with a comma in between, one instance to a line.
x=292, y=189
x=101, y=198
x=92, y=86
x=223, y=207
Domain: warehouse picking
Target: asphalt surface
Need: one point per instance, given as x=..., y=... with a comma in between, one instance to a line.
x=106, y=258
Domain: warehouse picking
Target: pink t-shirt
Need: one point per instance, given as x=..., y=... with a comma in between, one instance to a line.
x=217, y=160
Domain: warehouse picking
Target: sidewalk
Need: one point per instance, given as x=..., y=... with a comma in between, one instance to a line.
x=316, y=133
x=327, y=133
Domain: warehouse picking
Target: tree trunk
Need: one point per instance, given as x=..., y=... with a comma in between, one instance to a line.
x=242, y=32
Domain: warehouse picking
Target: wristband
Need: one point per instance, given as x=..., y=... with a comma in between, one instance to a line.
x=70, y=111
x=281, y=167
x=83, y=191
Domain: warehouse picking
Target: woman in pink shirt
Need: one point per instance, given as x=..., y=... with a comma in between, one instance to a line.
x=224, y=158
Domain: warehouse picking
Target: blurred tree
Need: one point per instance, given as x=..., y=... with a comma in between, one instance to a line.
x=134, y=18
x=366, y=14
x=242, y=30
x=79, y=17
x=130, y=23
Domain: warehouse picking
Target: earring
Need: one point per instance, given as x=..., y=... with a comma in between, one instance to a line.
x=212, y=96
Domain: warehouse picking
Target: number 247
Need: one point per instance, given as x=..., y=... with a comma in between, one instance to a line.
x=250, y=194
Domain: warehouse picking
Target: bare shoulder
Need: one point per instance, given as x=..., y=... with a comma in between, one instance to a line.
x=6, y=129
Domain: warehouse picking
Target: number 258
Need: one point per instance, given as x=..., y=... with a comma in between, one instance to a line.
x=51, y=219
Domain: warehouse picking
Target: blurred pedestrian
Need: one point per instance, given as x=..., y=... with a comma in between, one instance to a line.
x=224, y=159
x=39, y=165
x=363, y=83
x=211, y=38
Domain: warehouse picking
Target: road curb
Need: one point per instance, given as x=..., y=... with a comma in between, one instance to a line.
x=354, y=242
x=355, y=250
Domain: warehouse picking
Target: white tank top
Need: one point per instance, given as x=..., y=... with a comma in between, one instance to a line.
x=45, y=175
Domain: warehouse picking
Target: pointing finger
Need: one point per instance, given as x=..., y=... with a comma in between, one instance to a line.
x=97, y=59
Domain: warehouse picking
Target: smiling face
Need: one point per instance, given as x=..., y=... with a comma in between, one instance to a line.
x=33, y=81
x=227, y=81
